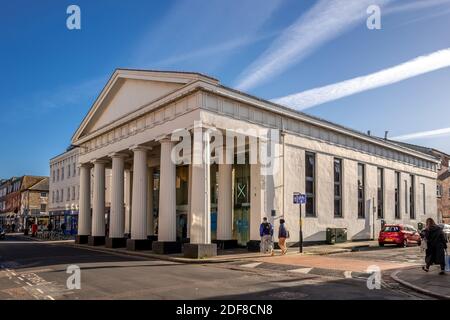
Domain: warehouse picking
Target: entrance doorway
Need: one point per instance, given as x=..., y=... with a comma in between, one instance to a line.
x=241, y=218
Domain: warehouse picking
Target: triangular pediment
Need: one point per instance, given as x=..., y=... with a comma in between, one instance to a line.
x=128, y=91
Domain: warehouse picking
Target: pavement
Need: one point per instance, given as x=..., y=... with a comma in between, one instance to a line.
x=430, y=283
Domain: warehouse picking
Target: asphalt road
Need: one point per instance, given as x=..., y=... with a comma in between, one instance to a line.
x=37, y=270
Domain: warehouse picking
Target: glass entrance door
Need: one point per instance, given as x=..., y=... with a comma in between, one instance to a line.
x=241, y=219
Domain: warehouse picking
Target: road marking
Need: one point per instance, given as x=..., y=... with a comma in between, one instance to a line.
x=301, y=270
x=251, y=265
x=13, y=273
x=50, y=297
x=29, y=284
x=347, y=274
x=21, y=279
x=40, y=291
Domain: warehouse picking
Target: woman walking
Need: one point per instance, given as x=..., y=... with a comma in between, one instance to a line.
x=436, y=245
x=283, y=234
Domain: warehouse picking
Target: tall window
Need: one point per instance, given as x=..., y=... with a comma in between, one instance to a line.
x=57, y=195
x=53, y=176
x=397, y=195
x=68, y=194
x=73, y=193
x=62, y=195
x=62, y=173
x=57, y=175
x=380, y=193
x=361, y=191
x=74, y=169
x=68, y=171
x=53, y=196
x=412, y=211
x=424, y=201
x=310, y=166
x=338, y=188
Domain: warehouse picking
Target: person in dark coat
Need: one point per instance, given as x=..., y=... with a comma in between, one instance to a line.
x=436, y=245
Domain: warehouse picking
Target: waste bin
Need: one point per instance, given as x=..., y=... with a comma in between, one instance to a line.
x=330, y=236
x=341, y=235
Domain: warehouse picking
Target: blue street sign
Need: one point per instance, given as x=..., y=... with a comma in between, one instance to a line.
x=299, y=198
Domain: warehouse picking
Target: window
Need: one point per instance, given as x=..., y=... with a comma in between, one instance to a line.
x=380, y=193
x=439, y=190
x=43, y=194
x=310, y=166
x=412, y=212
x=53, y=176
x=406, y=196
x=397, y=195
x=62, y=195
x=68, y=171
x=338, y=188
x=361, y=191
x=74, y=170
x=68, y=194
x=73, y=193
x=424, y=203
x=43, y=207
x=62, y=173
x=57, y=195
x=57, y=175
x=53, y=196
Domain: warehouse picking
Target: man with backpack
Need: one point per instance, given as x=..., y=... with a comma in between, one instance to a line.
x=266, y=233
x=283, y=234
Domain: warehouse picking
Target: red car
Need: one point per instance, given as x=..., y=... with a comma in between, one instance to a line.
x=399, y=234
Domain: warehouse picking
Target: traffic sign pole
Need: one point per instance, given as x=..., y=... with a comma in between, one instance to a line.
x=300, y=231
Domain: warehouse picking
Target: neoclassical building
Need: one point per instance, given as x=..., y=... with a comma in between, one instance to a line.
x=351, y=180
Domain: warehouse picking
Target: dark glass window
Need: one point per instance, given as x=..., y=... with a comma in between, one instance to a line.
x=310, y=165
x=337, y=187
x=361, y=191
x=412, y=211
x=380, y=193
x=397, y=195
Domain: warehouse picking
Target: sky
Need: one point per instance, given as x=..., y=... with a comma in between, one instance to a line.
x=319, y=57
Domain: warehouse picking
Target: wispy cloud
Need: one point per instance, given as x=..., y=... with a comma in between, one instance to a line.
x=415, y=5
x=423, y=64
x=325, y=21
x=424, y=134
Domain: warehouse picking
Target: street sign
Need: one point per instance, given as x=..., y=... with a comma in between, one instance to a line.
x=299, y=198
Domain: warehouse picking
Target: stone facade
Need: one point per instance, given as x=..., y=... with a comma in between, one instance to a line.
x=129, y=129
x=443, y=187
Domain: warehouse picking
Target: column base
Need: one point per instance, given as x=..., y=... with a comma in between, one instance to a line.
x=81, y=239
x=199, y=250
x=96, y=240
x=254, y=245
x=139, y=244
x=226, y=244
x=116, y=242
x=166, y=247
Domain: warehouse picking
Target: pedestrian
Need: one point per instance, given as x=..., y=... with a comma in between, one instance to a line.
x=283, y=234
x=50, y=226
x=266, y=233
x=63, y=228
x=13, y=227
x=34, y=228
x=436, y=246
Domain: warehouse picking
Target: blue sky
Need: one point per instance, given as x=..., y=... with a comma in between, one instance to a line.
x=52, y=75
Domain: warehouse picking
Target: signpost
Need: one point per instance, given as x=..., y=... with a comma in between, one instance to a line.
x=300, y=198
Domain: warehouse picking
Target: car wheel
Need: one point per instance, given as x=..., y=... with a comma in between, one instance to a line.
x=405, y=243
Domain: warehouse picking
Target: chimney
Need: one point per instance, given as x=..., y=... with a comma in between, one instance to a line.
x=386, y=135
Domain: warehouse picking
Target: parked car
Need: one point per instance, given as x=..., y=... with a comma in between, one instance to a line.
x=2, y=234
x=446, y=229
x=399, y=234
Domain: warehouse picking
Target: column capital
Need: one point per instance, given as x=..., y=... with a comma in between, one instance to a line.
x=85, y=165
x=122, y=155
x=140, y=148
x=99, y=161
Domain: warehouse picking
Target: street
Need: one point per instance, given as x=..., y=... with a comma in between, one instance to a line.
x=37, y=270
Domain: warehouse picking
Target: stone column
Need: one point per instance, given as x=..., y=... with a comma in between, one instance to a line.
x=150, y=222
x=139, y=239
x=117, y=217
x=200, y=245
x=225, y=208
x=84, y=213
x=98, y=206
x=167, y=203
